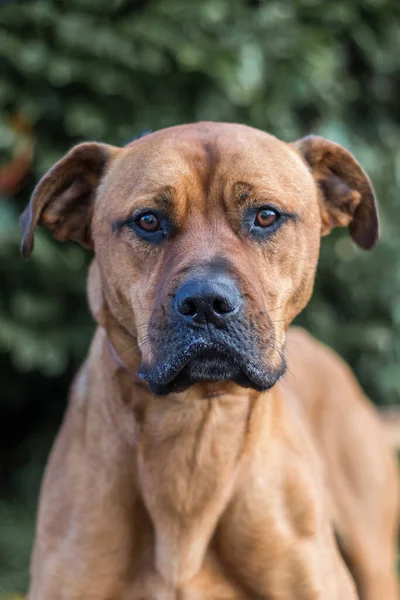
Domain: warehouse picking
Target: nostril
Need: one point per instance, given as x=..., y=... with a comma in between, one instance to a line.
x=221, y=306
x=188, y=308
x=201, y=301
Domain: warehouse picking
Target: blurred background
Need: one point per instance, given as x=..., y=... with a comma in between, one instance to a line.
x=106, y=70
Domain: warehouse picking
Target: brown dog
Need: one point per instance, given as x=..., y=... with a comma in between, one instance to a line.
x=185, y=469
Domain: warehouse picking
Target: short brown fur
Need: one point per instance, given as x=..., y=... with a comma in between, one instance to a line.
x=220, y=492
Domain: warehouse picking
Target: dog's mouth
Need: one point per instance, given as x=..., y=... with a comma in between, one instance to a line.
x=207, y=363
x=211, y=366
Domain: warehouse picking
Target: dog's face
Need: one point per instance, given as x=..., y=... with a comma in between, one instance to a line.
x=206, y=238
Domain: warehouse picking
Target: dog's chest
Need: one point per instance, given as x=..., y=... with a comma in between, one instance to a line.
x=186, y=482
x=210, y=583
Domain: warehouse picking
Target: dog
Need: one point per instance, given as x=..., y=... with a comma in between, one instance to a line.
x=209, y=451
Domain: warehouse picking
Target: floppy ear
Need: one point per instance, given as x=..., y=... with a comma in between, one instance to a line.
x=346, y=194
x=63, y=198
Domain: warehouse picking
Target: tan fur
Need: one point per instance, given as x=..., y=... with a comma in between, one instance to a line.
x=219, y=492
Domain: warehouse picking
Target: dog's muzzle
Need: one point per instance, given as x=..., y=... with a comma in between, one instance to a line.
x=207, y=337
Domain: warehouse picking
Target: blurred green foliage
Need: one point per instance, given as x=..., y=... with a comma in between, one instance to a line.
x=108, y=69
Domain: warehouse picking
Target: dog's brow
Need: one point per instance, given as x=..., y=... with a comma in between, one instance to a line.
x=246, y=193
x=161, y=200
x=243, y=191
x=165, y=196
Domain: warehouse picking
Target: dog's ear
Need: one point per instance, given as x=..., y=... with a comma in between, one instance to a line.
x=346, y=194
x=63, y=198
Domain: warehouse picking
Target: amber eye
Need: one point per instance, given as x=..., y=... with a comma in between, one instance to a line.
x=148, y=222
x=266, y=217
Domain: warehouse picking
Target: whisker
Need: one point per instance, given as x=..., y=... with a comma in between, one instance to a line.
x=128, y=348
x=283, y=320
x=277, y=308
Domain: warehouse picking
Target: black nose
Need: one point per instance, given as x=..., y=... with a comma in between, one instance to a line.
x=215, y=300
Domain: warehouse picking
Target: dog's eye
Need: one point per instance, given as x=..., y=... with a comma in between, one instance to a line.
x=148, y=222
x=266, y=217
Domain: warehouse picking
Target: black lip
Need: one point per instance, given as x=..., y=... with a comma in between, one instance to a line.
x=207, y=361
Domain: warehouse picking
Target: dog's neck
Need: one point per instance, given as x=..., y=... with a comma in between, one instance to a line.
x=190, y=456
x=190, y=452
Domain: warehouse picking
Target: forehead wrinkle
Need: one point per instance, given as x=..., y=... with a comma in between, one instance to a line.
x=199, y=162
x=159, y=182
x=284, y=185
x=194, y=189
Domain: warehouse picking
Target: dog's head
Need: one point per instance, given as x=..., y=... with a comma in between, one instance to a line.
x=206, y=240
